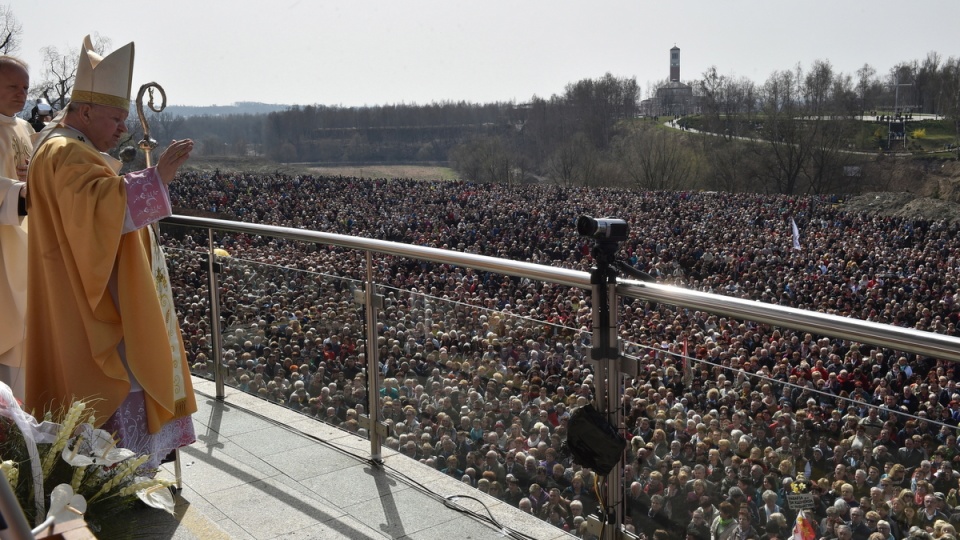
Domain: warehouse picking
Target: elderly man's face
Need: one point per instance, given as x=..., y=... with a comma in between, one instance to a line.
x=14, y=82
x=101, y=124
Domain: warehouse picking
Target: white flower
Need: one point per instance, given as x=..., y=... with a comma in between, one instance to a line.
x=65, y=505
x=94, y=447
x=10, y=470
x=157, y=496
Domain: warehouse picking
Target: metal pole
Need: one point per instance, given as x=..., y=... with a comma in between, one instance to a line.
x=598, y=337
x=614, y=492
x=214, y=294
x=373, y=364
x=896, y=108
x=606, y=354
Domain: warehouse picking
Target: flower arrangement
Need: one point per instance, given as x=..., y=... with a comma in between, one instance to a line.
x=64, y=468
x=799, y=485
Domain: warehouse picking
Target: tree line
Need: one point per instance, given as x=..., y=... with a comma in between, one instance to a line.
x=793, y=133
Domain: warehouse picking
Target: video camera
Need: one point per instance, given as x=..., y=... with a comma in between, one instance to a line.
x=611, y=229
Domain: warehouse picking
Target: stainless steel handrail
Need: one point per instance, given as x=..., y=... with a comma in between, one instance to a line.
x=895, y=337
x=562, y=276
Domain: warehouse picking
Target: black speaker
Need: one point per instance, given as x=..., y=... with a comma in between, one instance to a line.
x=593, y=442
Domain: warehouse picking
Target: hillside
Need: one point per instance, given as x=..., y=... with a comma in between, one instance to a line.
x=937, y=196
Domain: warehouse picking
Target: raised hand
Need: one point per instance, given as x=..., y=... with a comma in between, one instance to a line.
x=172, y=158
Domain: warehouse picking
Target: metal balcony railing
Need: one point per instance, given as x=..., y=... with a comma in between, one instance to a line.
x=896, y=338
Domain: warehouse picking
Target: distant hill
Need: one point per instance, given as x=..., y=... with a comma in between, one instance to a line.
x=241, y=107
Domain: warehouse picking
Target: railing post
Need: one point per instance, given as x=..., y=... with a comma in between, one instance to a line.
x=215, y=337
x=371, y=304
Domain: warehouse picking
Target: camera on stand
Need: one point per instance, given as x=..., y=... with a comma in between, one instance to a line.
x=593, y=436
x=608, y=233
x=610, y=229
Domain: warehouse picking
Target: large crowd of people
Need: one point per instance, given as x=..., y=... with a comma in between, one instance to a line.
x=481, y=371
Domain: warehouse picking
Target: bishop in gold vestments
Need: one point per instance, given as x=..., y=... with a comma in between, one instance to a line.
x=97, y=325
x=101, y=324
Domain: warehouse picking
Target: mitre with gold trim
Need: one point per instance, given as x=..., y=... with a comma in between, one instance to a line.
x=104, y=80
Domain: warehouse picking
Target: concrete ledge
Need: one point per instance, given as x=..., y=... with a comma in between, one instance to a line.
x=260, y=470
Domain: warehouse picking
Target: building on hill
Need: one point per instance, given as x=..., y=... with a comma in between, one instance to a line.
x=673, y=97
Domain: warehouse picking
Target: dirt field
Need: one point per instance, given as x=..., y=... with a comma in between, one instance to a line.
x=263, y=166
x=936, y=196
x=906, y=205
x=416, y=172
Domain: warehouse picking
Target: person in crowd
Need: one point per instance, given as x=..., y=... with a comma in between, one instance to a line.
x=698, y=529
x=513, y=494
x=843, y=533
x=930, y=513
x=725, y=524
x=656, y=519
x=885, y=531
x=745, y=528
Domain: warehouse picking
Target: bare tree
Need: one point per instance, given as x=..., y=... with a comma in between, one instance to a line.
x=730, y=164
x=808, y=121
x=728, y=105
x=10, y=31
x=164, y=126
x=483, y=159
x=928, y=82
x=816, y=88
x=60, y=72
x=576, y=162
x=496, y=160
x=830, y=102
x=562, y=164
x=903, y=84
x=713, y=89
x=950, y=92
x=866, y=76
x=588, y=161
x=598, y=104
x=654, y=158
x=824, y=167
x=787, y=139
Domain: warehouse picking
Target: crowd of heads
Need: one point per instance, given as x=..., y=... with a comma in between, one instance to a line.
x=481, y=371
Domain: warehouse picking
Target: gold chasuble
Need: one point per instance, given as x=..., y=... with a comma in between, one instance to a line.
x=91, y=287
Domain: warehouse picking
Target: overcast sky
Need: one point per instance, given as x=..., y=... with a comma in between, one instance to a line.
x=358, y=52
